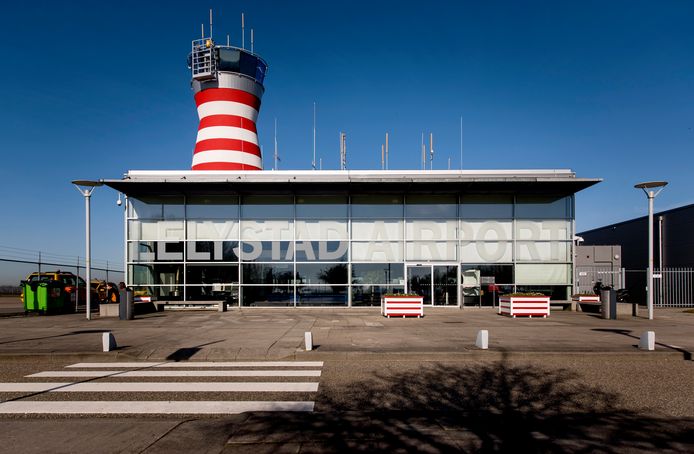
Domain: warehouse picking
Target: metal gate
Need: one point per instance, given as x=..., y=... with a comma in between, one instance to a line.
x=673, y=287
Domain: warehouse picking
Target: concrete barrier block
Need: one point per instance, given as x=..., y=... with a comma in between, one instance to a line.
x=482, y=339
x=108, y=342
x=647, y=341
x=308, y=339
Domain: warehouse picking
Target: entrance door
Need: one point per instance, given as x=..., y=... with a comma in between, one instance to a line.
x=438, y=284
x=419, y=281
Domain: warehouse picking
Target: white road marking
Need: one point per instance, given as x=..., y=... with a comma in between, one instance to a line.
x=176, y=373
x=200, y=364
x=160, y=387
x=149, y=407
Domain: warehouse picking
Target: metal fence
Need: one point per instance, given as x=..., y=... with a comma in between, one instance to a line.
x=16, y=264
x=674, y=287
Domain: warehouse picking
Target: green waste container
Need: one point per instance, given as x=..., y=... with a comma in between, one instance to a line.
x=48, y=298
x=30, y=296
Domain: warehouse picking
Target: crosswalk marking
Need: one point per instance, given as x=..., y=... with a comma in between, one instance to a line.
x=150, y=407
x=191, y=364
x=176, y=373
x=258, y=377
x=96, y=387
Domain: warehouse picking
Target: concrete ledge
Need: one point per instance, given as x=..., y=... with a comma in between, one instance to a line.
x=108, y=310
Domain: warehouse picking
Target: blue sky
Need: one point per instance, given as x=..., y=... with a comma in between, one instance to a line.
x=91, y=89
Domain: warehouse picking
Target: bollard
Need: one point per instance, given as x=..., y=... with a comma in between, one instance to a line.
x=482, y=339
x=222, y=306
x=108, y=341
x=308, y=338
x=647, y=341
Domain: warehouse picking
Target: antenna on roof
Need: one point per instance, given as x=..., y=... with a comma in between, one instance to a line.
x=251, y=40
x=210, y=23
x=431, y=150
x=383, y=160
x=243, y=33
x=386, y=151
x=227, y=40
x=424, y=154
x=313, y=163
x=343, y=151
x=277, y=156
x=202, y=31
x=461, y=143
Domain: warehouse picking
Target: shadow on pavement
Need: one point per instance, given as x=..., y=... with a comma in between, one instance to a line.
x=184, y=354
x=687, y=355
x=479, y=407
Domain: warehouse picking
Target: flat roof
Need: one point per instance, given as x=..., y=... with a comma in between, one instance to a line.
x=148, y=182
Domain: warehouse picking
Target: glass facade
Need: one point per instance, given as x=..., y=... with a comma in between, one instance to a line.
x=349, y=249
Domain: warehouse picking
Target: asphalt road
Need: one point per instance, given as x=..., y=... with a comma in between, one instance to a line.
x=498, y=402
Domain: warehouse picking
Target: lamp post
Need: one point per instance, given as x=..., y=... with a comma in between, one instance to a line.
x=649, y=188
x=86, y=187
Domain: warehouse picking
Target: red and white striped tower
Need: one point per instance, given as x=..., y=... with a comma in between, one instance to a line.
x=228, y=86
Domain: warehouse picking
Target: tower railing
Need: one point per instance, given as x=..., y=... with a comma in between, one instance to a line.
x=202, y=62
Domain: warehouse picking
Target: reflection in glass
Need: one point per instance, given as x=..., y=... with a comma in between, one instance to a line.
x=268, y=295
x=494, y=280
x=212, y=207
x=267, y=207
x=267, y=273
x=419, y=282
x=378, y=273
x=334, y=295
x=321, y=207
x=486, y=207
x=321, y=273
x=377, y=206
x=445, y=285
x=370, y=295
x=543, y=207
x=431, y=207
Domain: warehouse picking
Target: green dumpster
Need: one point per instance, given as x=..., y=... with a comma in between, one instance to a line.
x=30, y=298
x=51, y=297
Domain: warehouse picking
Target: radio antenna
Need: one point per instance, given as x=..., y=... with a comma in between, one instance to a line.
x=431, y=150
x=277, y=157
x=313, y=163
x=202, y=31
x=383, y=160
x=243, y=32
x=210, y=23
x=251, y=40
x=386, y=151
x=424, y=154
x=227, y=40
x=461, y=143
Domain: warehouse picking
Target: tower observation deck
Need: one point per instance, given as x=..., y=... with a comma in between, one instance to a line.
x=228, y=86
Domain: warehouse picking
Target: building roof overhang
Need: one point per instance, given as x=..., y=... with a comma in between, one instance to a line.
x=163, y=182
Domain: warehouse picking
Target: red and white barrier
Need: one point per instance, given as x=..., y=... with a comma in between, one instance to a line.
x=402, y=306
x=524, y=306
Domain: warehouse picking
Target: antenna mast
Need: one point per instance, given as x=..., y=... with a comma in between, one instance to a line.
x=251, y=40
x=243, y=33
x=461, y=143
x=277, y=156
x=313, y=163
x=343, y=151
x=386, y=151
x=431, y=150
x=210, y=23
x=383, y=161
x=424, y=154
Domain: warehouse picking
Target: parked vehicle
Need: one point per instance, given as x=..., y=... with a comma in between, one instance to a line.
x=64, y=285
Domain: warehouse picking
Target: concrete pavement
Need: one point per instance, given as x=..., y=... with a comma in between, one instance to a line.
x=273, y=334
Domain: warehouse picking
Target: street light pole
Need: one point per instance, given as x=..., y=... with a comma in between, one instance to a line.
x=648, y=188
x=86, y=187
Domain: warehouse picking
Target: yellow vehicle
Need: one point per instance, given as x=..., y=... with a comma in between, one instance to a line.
x=105, y=292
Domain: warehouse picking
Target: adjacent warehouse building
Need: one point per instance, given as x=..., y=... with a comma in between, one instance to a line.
x=344, y=238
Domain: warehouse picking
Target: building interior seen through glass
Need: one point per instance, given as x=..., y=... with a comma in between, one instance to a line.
x=349, y=250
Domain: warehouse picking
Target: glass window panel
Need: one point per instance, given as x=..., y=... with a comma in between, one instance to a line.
x=214, y=292
x=266, y=251
x=370, y=295
x=206, y=251
x=213, y=230
x=146, y=207
x=487, y=252
x=377, y=206
x=486, y=230
x=212, y=207
x=155, y=251
x=334, y=295
x=158, y=274
x=486, y=207
x=267, y=207
x=321, y=273
x=321, y=207
x=377, y=251
x=378, y=273
x=431, y=206
x=322, y=230
x=555, y=292
x=156, y=230
x=273, y=230
x=212, y=275
x=268, y=296
x=321, y=251
x=267, y=273
x=543, y=251
x=445, y=280
x=543, y=230
x=431, y=230
x=543, y=273
x=431, y=250
x=543, y=207
x=377, y=230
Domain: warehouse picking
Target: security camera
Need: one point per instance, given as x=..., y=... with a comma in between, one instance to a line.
x=119, y=202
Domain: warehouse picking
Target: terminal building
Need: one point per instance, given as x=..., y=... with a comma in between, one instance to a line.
x=228, y=230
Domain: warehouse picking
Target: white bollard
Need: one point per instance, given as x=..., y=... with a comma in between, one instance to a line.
x=482, y=339
x=647, y=341
x=108, y=342
x=308, y=339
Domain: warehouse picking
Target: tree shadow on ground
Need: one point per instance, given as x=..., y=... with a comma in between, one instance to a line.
x=474, y=407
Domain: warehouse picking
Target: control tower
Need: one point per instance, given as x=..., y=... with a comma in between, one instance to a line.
x=228, y=86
